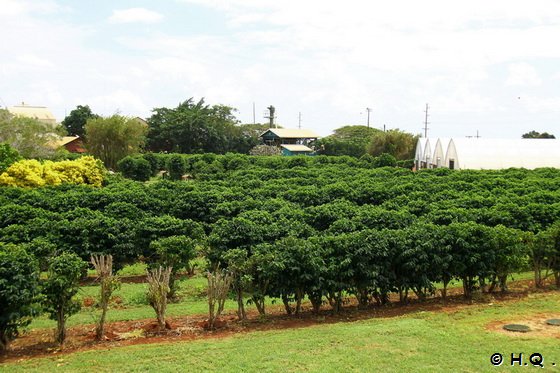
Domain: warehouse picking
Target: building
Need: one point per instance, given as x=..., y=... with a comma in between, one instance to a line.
x=488, y=154
x=290, y=141
x=279, y=136
x=438, y=156
x=73, y=144
x=295, y=149
x=41, y=113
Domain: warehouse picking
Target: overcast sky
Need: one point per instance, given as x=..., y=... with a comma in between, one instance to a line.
x=486, y=65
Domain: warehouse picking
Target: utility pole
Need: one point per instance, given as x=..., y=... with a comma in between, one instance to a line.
x=368, y=111
x=254, y=117
x=270, y=115
x=299, y=120
x=426, y=122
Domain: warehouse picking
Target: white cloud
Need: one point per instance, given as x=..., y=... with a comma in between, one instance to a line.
x=523, y=74
x=135, y=15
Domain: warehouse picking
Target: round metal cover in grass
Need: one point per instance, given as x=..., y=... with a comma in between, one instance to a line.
x=555, y=322
x=517, y=328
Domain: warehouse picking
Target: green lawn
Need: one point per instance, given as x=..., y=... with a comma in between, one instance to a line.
x=417, y=342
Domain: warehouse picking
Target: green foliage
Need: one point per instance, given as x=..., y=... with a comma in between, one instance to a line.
x=385, y=160
x=59, y=289
x=537, y=135
x=75, y=122
x=354, y=229
x=176, y=166
x=19, y=290
x=198, y=128
x=31, y=138
x=113, y=138
x=135, y=168
x=398, y=143
x=347, y=140
x=175, y=252
x=8, y=156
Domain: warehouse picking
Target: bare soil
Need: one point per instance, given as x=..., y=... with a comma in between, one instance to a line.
x=39, y=343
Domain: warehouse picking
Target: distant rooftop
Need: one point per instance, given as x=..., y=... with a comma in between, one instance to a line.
x=41, y=113
x=296, y=148
x=286, y=133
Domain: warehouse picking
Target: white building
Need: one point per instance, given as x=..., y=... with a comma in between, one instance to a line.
x=489, y=154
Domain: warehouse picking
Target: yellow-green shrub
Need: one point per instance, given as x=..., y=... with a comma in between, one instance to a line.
x=32, y=173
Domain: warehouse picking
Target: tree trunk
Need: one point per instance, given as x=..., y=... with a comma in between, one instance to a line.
x=362, y=295
x=299, y=297
x=241, y=314
x=259, y=303
x=100, y=329
x=467, y=287
x=316, y=301
x=4, y=342
x=493, y=284
x=287, y=306
x=503, y=283
x=538, y=275
x=444, y=291
x=335, y=301
x=60, y=328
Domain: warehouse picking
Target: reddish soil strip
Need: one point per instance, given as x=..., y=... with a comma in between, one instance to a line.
x=39, y=343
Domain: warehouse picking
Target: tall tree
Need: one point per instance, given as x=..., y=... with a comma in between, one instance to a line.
x=113, y=138
x=31, y=138
x=347, y=140
x=194, y=127
x=75, y=122
x=538, y=135
x=399, y=144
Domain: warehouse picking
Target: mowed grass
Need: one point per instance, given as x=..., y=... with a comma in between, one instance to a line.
x=418, y=342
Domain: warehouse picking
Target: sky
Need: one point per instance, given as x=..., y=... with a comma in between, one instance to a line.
x=486, y=66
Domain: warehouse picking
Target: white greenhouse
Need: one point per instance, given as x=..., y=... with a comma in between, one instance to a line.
x=487, y=154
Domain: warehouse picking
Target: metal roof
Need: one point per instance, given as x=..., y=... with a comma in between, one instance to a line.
x=41, y=113
x=494, y=154
x=287, y=133
x=296, y=148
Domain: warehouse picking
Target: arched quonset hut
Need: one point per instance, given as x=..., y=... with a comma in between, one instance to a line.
x=423, y=153
x=495, y=154
x=427, y=158
x=438, y=157
x=419, y=155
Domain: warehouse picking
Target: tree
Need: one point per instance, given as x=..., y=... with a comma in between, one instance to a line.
x=195, y=127
x=219, y=283
x=62, y=284
x=31, y=138
x=103, y=265
x=113, y=138
x=537, y=135
x=19, y=290
x=399, y=144
x=176, y=166
x=175, y=252
x=8, y=156
x=135, y=168
x=158, y=289
x=75, y=122
x=347, y=140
